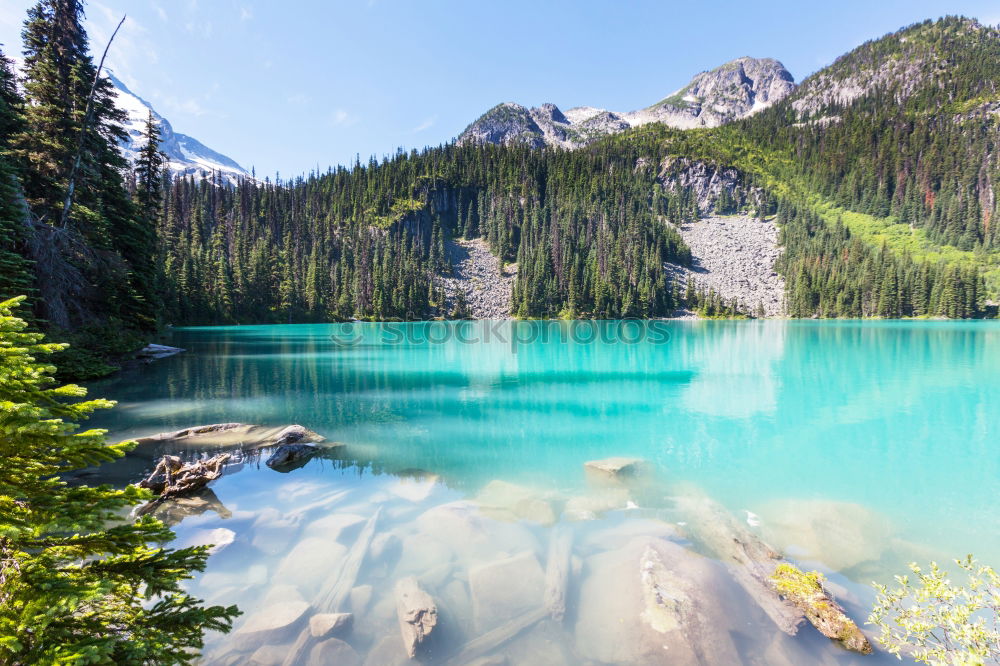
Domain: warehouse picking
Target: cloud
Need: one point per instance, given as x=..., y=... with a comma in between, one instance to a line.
x=426, y=125
x=342, y=118
x=160, y=12
x=246, y=13
x=299, y=99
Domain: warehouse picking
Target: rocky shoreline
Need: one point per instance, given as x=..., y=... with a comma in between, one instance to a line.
x=628, y=569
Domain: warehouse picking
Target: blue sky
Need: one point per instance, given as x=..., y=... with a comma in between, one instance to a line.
x=291, y=86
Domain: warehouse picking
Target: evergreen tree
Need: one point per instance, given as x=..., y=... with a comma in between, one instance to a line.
x=77, y=584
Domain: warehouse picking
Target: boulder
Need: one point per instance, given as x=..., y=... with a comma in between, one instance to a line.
x=278, y=619
x=388, y=651
x=652, y=600
x=267, y=655
x=324, y=625
x=417, y=614
x=360, y=597
x=508, y=501
x=335, y=526
x=504, y=589
x=287, y=455
x=295, y=434
x=333, y=651
x=617, y=469
x=273, y=530
x=841, y=535
x=422, y=553
x=310, y=560
x=471, y=535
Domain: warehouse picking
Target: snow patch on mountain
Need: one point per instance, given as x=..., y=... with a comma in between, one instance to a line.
x=186, y=156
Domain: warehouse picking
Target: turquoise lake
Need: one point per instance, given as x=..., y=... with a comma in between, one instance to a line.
x=853, y=446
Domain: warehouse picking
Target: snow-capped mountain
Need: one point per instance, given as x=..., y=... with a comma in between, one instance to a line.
x=735, y=90
x=186, y=155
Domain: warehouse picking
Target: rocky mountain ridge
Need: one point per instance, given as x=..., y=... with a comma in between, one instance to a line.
x=734, y=90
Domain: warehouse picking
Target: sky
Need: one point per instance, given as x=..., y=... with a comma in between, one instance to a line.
x=294, y=86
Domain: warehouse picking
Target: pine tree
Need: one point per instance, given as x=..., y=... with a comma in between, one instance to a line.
x=78, y=585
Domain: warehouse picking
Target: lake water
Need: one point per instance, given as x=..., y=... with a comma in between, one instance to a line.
x=854, y=447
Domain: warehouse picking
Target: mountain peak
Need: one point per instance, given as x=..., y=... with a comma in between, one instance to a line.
x=731, y=91
x=186, y=156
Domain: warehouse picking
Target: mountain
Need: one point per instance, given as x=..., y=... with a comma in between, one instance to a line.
x=735, y=90
x=185, y=154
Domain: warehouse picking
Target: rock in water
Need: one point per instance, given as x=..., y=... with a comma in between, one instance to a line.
x=653, y=601
x=617, y=469
x=333, y=651
x=841, y=535
x=294, y=434
x=324, y=625
x=277, y=621
x=505, y=589
x=289, y=454
x=154, y=352
x=417, y=613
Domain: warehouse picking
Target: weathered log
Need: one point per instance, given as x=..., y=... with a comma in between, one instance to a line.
x=332, y=595
x=491, y=640
x=749, y=560
x=557, y=571
x=417, y=613
x=806, y=591
x=172, y=478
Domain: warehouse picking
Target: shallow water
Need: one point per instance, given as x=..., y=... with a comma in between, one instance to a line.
x=853, y=446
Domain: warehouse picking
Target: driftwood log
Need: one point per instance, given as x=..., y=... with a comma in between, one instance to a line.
x=757, y=568
x=806, y=591
x=173, y=478
x=749, y=560
x=557, y=571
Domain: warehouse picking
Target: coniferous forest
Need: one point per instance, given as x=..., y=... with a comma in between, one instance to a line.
x=108, y=252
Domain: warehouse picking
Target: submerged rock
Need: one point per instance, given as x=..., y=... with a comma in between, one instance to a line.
x=841, y=535
x=324, y=625
x=508, y=501
x=617, y=469
x=281, y=615
x=290, y=454
x=504, y=589
x=333, y=651
x=268, y=655
x=310, y=560
x=417, y=614
x=653, y=601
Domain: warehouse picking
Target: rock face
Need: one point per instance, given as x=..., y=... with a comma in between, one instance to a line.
x=734, y=90
x=735, y=256
x=479, y=285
